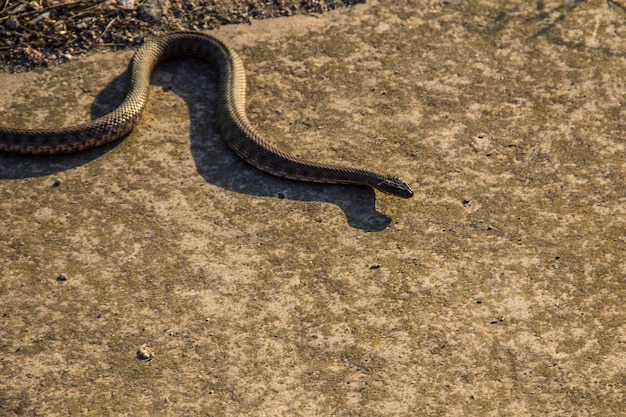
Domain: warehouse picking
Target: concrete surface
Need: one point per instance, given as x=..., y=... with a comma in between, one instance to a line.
x=498, y=289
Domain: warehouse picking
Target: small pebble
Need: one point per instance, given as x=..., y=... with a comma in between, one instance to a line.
x=383, y=27
x=62, y=278
x=11, y=23
x=153, y=10
x=127, y=4
x=40, y=18
x=145, y=353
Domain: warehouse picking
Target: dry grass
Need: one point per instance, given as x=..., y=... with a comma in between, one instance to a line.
x=41, y=33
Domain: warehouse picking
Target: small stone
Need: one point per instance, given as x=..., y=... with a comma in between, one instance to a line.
x=383, y=27
x=42, y=17
x=11, y=23
x=62, y=278
x=153, y=10
x=145, y=353
x=127, y=4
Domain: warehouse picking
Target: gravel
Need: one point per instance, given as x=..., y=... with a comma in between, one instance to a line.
x=40, y=33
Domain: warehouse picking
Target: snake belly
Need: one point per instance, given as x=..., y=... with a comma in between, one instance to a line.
x=233, y=122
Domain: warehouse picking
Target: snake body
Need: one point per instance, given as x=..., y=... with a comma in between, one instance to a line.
x=231, y=115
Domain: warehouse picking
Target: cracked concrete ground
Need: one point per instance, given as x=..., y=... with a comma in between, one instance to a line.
x=498, y=289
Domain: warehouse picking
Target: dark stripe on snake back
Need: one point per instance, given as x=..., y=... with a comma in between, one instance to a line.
x=231, y=113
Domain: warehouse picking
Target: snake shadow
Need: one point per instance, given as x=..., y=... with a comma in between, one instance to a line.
x=195, y=82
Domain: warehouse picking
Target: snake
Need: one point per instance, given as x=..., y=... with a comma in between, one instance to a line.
x=231, y=117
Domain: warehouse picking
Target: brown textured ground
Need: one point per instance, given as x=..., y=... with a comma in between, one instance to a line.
x=499, y=289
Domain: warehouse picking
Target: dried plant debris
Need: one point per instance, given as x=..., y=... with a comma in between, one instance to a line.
x=39, y=33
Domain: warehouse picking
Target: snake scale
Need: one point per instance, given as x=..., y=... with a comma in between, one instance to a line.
x=231, y=115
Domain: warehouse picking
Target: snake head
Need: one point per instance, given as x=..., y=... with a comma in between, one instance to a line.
x=395, y=186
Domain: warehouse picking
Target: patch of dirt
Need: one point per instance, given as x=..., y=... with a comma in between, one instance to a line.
x=42, y=33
